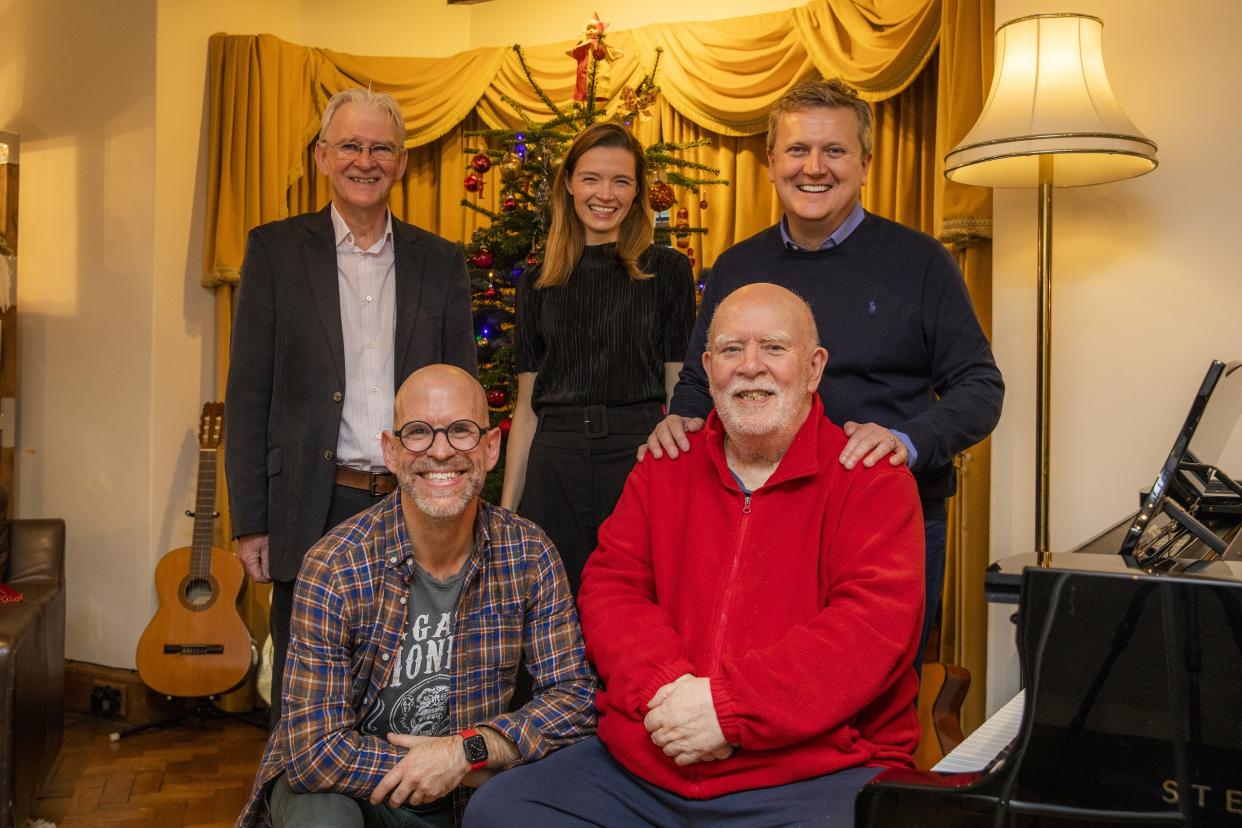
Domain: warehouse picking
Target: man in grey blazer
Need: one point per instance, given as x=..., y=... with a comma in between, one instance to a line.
x=335, y=310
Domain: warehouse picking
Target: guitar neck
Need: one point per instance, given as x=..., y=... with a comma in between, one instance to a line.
x=204, y=509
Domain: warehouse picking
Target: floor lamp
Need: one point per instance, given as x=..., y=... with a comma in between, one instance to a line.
x=1050, y=120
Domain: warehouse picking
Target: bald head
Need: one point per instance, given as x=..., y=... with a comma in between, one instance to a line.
x=786, y=311
x=440, y=389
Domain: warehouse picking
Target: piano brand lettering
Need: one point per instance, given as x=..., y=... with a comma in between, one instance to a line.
x=1205, y=796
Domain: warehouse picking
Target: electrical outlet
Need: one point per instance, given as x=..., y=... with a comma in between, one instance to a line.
x=107, y=701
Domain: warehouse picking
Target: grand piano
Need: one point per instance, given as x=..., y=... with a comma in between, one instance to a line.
x=1131, y=664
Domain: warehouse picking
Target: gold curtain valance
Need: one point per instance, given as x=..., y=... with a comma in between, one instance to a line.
x=723, y=76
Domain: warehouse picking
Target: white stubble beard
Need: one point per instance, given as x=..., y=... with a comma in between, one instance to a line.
x=738, y=421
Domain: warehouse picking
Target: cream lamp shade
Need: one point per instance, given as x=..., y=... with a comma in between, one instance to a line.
x=1050, y=96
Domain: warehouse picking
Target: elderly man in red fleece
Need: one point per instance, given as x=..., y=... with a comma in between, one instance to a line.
x=753, y=610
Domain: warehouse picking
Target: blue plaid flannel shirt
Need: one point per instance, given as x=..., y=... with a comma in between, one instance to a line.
x=345, y=633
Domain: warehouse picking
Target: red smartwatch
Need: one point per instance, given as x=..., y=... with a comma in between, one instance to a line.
x=475, y=746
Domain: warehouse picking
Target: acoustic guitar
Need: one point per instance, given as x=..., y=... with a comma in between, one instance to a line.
x=197, y=644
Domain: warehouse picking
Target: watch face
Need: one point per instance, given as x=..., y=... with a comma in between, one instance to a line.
x=476, y=749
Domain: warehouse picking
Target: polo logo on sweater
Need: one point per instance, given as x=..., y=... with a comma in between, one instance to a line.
x=871, y=306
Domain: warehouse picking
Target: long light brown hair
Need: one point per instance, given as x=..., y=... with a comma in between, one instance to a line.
x=567, y=236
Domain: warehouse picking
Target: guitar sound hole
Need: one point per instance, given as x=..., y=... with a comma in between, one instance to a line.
x=198, y=593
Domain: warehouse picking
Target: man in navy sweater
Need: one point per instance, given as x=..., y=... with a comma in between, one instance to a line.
x=910, y=375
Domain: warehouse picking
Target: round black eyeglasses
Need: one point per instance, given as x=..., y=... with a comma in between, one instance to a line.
x=462, y=435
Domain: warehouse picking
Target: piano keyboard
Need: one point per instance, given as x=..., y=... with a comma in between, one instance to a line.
x=982, y=746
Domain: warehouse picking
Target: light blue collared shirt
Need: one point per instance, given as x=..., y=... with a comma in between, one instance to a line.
x=839, y=235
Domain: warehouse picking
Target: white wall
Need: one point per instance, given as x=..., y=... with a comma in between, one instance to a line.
x=116, y=337
x=85, y=109
x=1146, y=286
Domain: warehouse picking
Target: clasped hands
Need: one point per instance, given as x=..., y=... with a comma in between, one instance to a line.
x=682, y=722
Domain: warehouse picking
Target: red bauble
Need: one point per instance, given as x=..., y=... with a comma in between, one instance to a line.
x=482, y=258
x=490, y=293
x=682, y=222
x=661, y=196
x=481, y=163
x=497, y=396
x=505, y=424
x=473, y=182
x=703, y=204
x=532, y=260
x=508, y=204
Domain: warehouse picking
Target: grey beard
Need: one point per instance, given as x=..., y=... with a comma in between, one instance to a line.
x=443, y=508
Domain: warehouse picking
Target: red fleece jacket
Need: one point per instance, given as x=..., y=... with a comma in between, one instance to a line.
x=802, y=603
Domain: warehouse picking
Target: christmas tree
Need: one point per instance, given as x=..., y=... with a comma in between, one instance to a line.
x=527, y=160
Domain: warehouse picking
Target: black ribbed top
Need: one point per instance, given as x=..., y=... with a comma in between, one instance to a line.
x=603, y=338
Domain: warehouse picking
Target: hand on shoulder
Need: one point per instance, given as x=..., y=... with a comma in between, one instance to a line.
x=669, y=437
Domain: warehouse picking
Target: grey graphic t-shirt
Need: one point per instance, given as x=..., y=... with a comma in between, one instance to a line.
x=416, y=698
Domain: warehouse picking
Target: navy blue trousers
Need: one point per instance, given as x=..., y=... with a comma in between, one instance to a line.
x=583, y=785
x=934, y=532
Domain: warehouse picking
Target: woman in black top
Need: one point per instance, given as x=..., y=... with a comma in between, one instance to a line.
x=602, y=327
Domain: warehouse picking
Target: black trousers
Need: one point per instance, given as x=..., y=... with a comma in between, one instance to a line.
x=346, y=502
x=573, y=481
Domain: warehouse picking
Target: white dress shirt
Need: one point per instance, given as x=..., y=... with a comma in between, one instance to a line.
x=366, y=280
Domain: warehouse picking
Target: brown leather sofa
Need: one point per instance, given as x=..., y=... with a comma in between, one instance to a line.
x=32, y=661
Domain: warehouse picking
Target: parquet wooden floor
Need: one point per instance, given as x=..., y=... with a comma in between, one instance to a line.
x=193, y=775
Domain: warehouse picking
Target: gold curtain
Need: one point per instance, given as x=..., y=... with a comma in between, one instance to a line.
x=717, y=80
x=963, y=219
x=964, y=617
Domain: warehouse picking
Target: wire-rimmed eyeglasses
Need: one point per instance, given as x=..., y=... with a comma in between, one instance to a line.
x=350, y=150
x=462, y=435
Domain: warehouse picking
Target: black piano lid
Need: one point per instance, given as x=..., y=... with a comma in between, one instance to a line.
x=1133, y=712
x=1202, y=439
x=1187, y=476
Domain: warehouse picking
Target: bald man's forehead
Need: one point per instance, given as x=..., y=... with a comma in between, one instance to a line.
x=729, y=335
x=776, y=319
x=440, y=397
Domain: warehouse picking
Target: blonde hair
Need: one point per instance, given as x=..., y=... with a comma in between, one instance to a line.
x=821, y=94
x=567, y=236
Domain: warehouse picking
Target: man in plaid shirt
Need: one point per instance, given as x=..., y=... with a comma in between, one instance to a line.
x=408, y=624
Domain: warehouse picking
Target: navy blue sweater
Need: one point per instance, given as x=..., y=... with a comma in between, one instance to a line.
x=905, y=349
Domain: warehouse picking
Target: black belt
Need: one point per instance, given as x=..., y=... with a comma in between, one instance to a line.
x=596, y=421
x=377, y=483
